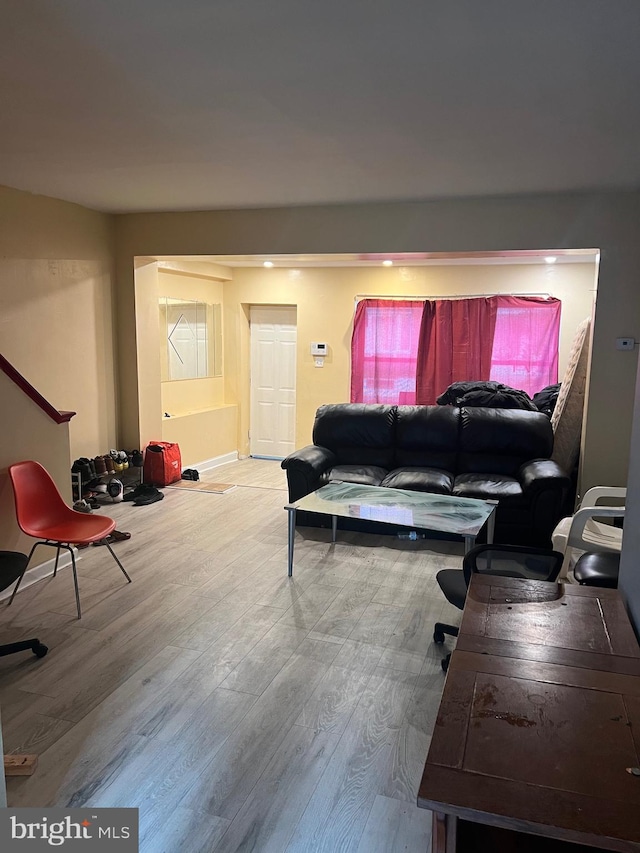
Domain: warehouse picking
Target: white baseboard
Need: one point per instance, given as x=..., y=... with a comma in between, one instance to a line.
x=37, y=573
x=215, y=462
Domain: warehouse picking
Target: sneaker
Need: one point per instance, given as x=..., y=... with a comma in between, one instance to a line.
x=137, y=460
x=124, y=459
x=82, y=506
x=190, y=474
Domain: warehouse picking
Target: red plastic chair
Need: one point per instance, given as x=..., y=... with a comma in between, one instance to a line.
x=42, y=513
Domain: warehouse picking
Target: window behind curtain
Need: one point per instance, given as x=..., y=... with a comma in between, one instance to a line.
x=384, y=349
x=525, y=343
x=386, y=335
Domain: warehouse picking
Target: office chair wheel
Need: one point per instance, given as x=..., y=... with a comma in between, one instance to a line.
x=444, y=663
x=40, y=650
x=438, y=637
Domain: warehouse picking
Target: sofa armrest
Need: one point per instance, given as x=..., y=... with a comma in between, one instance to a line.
x=305, y=467
x=542, y=474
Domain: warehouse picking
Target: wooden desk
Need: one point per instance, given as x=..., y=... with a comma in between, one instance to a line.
x=535, y=738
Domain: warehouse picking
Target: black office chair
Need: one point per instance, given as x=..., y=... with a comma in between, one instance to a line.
x=12, y=565
x=511, y=561
x=598, y=568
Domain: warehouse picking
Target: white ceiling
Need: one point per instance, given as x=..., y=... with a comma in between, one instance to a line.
x=136, y=105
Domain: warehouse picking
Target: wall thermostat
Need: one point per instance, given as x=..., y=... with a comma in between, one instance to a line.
x=319, y=349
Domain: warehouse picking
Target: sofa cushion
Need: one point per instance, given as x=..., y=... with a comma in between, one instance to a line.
x=427, y=437
x=499, y=441
x=497, y=487
x=420, y=480
x=358, y=433
x=364, y=475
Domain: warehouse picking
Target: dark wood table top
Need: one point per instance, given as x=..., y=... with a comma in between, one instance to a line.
x=538, y=747
x=549, y=622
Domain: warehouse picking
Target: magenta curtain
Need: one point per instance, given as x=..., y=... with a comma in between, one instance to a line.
x=384, y=347
x=456, y=340
x=525, y=342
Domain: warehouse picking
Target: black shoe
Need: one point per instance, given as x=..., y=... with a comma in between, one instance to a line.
x=149, y=498
x=190, y=474
x=140, y=491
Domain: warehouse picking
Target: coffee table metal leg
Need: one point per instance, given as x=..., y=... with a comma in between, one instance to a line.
x=292, y=535
x=334, y=527
x=491, y=523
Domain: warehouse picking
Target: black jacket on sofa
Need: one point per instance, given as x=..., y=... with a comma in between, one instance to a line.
x=488, y=453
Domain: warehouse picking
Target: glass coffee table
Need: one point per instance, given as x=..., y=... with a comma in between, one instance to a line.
x=422, y=510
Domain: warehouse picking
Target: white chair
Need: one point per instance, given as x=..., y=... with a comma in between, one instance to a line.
x=580, y=532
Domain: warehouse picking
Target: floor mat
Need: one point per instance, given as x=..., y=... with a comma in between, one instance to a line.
x=203, y=486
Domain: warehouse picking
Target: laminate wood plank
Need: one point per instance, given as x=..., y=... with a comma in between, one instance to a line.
x=405, y=661
x=332, y=703
x=226, y=782
x=162, y=773
x=401, y=778
x=339, y=808
x=217, y=619
x=309, y=606
x=340, y=618
x=318, y=650
x=377, y=624
x=414, y=631
x=90, y=754
x=394, y=827
x=83, y=691
x=267, y=819
x=363, y=657
x=269, y=655
x=184, y=830
x=66, y=660
x=33, y=733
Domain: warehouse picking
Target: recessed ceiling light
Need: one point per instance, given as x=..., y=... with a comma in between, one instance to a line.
x=551, y=259
x=387, y=263
x=270, y=263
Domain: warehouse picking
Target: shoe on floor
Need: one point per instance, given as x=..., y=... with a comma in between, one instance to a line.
x=140, y=491
x=149, y=498
x=190, y=474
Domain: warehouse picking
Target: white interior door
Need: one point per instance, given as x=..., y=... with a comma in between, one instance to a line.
x=273, y=381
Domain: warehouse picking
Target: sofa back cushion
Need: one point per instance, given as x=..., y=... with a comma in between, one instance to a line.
x=499, y=441
x=427, y=437
x=358, y=433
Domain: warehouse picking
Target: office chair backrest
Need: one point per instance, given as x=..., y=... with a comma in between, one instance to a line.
x=39, y=504
x=513, y=561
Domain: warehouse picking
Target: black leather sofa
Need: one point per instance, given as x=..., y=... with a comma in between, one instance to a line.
x=502, y=454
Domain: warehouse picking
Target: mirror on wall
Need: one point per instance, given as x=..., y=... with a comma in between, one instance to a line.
x=190, y=339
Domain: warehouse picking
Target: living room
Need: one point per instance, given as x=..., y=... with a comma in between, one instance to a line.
x=326, y=756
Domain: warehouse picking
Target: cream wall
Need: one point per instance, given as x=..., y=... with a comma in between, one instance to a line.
x=28, y=433
x=56, y=310
x=325, y=299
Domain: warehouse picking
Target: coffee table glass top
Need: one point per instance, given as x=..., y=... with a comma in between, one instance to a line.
x=464, y=516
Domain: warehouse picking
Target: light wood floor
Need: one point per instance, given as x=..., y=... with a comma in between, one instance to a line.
x=238, y=709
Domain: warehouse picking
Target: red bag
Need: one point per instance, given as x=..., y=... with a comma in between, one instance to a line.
x=162, y=463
